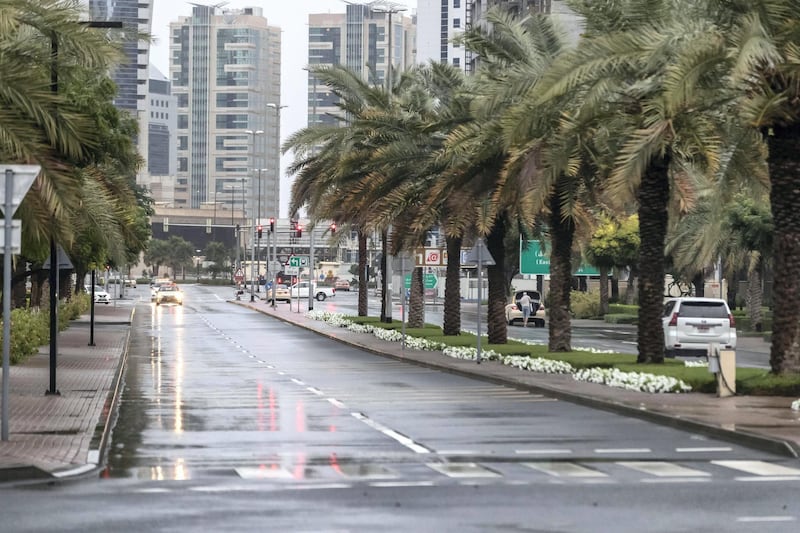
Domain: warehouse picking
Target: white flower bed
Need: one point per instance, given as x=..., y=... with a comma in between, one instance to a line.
x=696, y=364
x=638, y=381
x=469, y=353
x=608, y=376
x=538, y=364
x=796, y=405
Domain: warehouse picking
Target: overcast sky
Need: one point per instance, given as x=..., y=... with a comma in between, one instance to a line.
x=291, y=16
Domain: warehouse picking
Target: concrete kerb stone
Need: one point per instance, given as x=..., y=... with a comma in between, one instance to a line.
x=751, y=440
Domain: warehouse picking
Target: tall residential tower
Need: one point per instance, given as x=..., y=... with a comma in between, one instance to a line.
x=225, y=69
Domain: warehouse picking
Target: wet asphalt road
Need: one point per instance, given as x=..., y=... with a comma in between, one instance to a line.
x=231, y=420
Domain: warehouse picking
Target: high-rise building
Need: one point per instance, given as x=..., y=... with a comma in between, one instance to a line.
x=358, y=39
x=131, y=75
x=225, y=69
x=161, y=117
x=438, y=22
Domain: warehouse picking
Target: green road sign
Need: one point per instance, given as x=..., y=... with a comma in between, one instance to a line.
x=429, y=280
x=298, y=261
x=536, y=262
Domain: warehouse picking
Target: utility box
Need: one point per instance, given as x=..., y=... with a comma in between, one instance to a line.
x=722, y=363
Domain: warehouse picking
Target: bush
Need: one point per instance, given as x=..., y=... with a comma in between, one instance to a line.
x=623, y=309
x=585, y=304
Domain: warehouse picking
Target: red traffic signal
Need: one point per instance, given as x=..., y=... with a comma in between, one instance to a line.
x=333, y=228
x=259, y=230
x=299, y=231
x=272, y=224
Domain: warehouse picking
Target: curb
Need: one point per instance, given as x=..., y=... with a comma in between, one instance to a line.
x=751, y=440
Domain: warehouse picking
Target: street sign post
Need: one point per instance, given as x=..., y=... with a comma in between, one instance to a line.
x=238, y=276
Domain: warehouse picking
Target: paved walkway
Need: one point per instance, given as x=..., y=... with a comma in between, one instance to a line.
x=57, y=436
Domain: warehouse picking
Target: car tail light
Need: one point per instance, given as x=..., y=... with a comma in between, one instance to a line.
x=733, y=320
x=674, y=320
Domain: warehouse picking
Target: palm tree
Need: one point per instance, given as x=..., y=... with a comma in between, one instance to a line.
x=763, y=45
x=653, y=79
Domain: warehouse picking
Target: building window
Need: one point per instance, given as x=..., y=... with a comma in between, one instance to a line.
x=456, y=3
x=456, y=23
x=456, y=61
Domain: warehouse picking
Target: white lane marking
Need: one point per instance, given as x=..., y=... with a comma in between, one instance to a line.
x=336, y=402
x=555, y=451
x=766, y=518
x=663, y=469
x=558, y=469
x=390, y=484
x=281, y=373
x=314, y=390
x=75, y=471
x=297, y=381
x=768, y=478
x=320, y=486
x=677, y=480
x=399, y=437
x=759, y=468
x=263, y=473
x=700, y=450
x=271, y=366
x=622, y=450
x=462, y=470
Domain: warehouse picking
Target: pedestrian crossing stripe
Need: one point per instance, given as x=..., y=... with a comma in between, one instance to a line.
x=759, y=468
x=563, y=469
x=663, y=469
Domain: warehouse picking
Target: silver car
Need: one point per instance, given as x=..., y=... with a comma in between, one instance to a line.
x=691, y=324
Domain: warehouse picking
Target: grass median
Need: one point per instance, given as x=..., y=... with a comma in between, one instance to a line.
x=749, y=381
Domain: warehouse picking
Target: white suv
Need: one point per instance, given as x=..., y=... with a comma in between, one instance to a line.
x=691, y=324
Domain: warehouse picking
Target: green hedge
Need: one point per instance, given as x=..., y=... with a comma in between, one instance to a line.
x=621, y=318
x=623, y=309
x=30, y=328
x=584, y=304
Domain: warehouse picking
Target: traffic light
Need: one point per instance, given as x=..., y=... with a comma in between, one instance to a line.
x=259, y=230
x=333, y=228
x=299, y=231
x=271, y=224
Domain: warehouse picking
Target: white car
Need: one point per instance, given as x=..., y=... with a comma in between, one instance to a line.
x=691, y=324
x=300, y=290
x=100, y=295
x=514, y=313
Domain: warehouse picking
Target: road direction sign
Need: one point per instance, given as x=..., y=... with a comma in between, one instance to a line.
x=533, y=260
x=298, y=261
x=292, y=270
x=429, y=280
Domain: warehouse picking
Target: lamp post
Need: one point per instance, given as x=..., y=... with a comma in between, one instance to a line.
x=258, y=240
x=19, y=179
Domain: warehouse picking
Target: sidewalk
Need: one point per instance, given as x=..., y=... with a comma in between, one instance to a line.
x=53, y=436
x=57, y=436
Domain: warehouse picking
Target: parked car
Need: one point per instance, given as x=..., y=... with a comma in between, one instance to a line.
x=300, y=290
x=169, y=293
x=100, y=294
x=130, y=282
x=281, y=294
x=691, y=324
x=514, y=312
x=341, y=285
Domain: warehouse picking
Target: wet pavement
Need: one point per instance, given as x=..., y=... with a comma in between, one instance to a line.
x=65, y=435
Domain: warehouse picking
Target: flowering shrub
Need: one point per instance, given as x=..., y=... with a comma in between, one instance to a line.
x=538, y=364
x=638, y=381
x=468, y=352
x=796, y=405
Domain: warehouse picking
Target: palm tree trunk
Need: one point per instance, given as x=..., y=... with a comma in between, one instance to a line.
x=362, y=273
x=603, y=290
x=615, y=286
x=452, y=288
x=784, y=173
x=754, y=297
x=562, y=233
x=653, y=198
x=416, y=304
x=496, y=309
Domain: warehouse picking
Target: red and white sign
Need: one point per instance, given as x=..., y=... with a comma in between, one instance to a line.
x=239, y=276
